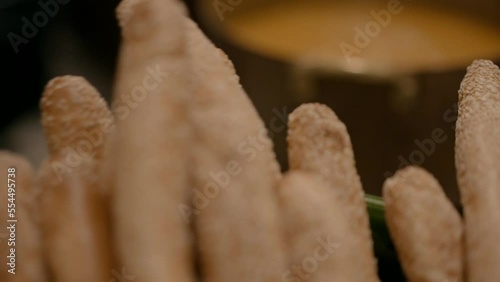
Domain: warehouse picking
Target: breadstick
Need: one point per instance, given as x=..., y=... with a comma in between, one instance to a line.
x=320, y=244
x=152, y=143
x=77, y=121
x=427, y=230
x=318, y=142
x=73, y=204
x=477, y=159
x=29, y=264
x=236, y=173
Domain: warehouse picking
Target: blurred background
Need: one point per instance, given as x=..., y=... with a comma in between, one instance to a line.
x=390, y=69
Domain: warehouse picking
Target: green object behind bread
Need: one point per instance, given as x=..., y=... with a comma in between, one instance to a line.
x=388, y=264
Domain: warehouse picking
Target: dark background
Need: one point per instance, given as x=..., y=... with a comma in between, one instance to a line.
x=86, y=26
x=82, y=38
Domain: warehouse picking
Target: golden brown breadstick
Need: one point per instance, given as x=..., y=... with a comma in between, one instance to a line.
x=427, y=230
x=152, y=144
x=29, y=265
x=75, y=224
x=319, y=239
x=477, y=158
x=318, y=142
x=73, y=204
x=77, y=122
x=236, y=173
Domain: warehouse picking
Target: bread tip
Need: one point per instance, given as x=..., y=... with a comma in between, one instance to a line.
x=67, y=94
x=137, y=18
x=125, y=11
x=70, y=104
x=482, y=63
x=55, y=85
x=406, y=176
x=314, y=110
x=482, y=78
x=409, y=180
x=59, y=82
x=315, y=119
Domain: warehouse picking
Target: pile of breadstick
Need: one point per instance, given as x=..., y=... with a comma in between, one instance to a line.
x=178, y=181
